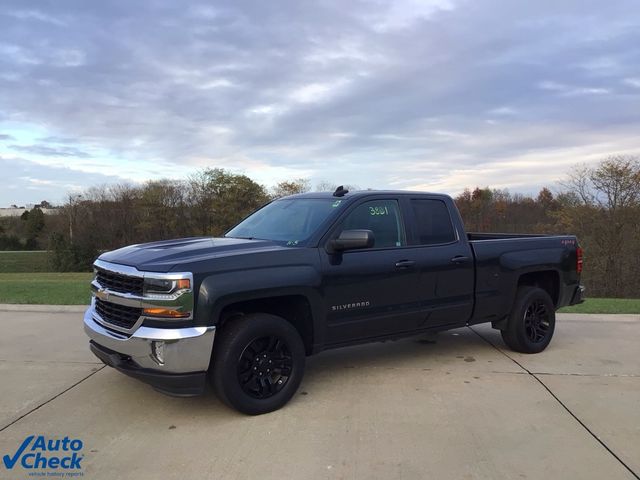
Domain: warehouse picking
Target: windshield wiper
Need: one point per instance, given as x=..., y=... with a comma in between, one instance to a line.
x=245, y=238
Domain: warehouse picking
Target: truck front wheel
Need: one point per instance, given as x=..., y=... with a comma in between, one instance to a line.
x=258, y=363
x=532, y=321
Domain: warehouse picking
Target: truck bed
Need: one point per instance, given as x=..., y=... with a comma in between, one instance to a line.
x=503, y=236
x=502, y=258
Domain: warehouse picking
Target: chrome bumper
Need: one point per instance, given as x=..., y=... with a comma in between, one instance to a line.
x=163, y=350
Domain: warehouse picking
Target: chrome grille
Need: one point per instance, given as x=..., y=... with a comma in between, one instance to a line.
x=118, y=315
x=117, y=282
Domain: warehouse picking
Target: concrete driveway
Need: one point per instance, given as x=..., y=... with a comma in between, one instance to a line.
x=462, y=407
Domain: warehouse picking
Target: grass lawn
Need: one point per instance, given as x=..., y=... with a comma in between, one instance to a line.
x=15, y=262
x=605, y=305
x=45, y=288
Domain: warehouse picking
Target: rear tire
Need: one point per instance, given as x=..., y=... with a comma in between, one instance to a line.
x=532, y=321
x=258, y=363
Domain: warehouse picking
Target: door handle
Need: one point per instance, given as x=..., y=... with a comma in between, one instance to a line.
x=405, y=264
x=460, y=259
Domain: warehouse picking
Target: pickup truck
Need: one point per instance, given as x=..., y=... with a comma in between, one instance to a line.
x=315, y=271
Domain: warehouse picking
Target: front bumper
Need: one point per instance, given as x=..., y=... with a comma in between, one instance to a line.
x=172, y=360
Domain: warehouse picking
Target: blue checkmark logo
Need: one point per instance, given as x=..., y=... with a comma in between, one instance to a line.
x=10, y=462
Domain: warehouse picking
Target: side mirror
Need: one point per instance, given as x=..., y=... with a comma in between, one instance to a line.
x=352, y=240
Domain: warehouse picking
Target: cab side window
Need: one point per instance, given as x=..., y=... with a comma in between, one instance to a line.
x=382, y=217
x=433, y=223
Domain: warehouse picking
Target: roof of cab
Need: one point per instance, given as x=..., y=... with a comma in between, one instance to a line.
x=362, y=193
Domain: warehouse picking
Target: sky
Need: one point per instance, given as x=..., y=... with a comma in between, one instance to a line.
x=433, y=95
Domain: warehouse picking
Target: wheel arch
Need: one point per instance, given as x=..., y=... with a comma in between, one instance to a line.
x=547, y=280
x=294, y=308
x=287, y=291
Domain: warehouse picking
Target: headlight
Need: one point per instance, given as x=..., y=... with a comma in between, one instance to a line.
x=161, y=286
x=168, y=295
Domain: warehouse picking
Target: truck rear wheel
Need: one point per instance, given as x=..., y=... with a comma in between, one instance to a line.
x=258, y=363
x=532, y=321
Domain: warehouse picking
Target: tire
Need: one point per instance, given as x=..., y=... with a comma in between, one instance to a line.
x=532, y=321
x=258, y=363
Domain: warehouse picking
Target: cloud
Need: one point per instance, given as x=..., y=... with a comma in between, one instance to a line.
x=502, y=111
x=632, y=82
x=30, y=182
x=57, y=140
x=569, y=90
x=48, y=151
x=367, y=92
x=6, y=138
x=38, y=16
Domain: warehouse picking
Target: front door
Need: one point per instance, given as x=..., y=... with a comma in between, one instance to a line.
x=371, y=292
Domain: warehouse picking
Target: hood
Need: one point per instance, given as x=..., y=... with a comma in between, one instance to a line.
x=168, y=255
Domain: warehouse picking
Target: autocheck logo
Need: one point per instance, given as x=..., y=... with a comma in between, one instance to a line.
x=63, y=455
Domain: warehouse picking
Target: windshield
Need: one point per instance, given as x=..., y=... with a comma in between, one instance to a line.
x=288, y=221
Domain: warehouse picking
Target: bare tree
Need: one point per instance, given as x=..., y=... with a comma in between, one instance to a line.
x=327, y=186
x=606, y=219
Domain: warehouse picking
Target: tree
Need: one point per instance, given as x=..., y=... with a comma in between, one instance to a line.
x=481, y=208
x=291, y=187
x=604, y=213
x=614, y=183
x=545, y=198
x=125, y=199
x=326, y=186
x=162, y=206
x=35, y=224
x=221, y=199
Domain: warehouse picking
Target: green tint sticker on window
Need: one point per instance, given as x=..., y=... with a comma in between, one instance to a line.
x=374, y=211
x=336, y=203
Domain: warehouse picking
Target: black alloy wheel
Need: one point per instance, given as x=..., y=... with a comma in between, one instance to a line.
x=531, y=323
x=536, y=321
x=264, y=367
x=257, y=363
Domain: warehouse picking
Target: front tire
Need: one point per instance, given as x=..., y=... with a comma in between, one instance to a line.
x=258, y=363
x=532, y=321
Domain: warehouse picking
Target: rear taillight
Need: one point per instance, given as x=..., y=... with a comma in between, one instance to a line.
x=579, y=260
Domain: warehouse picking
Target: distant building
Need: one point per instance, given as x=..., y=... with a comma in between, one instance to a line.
x=14, y=211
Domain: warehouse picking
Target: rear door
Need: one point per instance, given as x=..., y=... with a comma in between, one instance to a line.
x=444, y=262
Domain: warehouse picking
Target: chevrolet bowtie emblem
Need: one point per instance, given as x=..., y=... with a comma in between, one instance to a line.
x=102, y=295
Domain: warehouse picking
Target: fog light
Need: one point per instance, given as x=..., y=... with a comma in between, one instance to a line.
x=166, y=313
x=157, y=352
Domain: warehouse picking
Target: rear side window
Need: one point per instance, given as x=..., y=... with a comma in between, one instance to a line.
x=382, y=217
x=433, y=223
